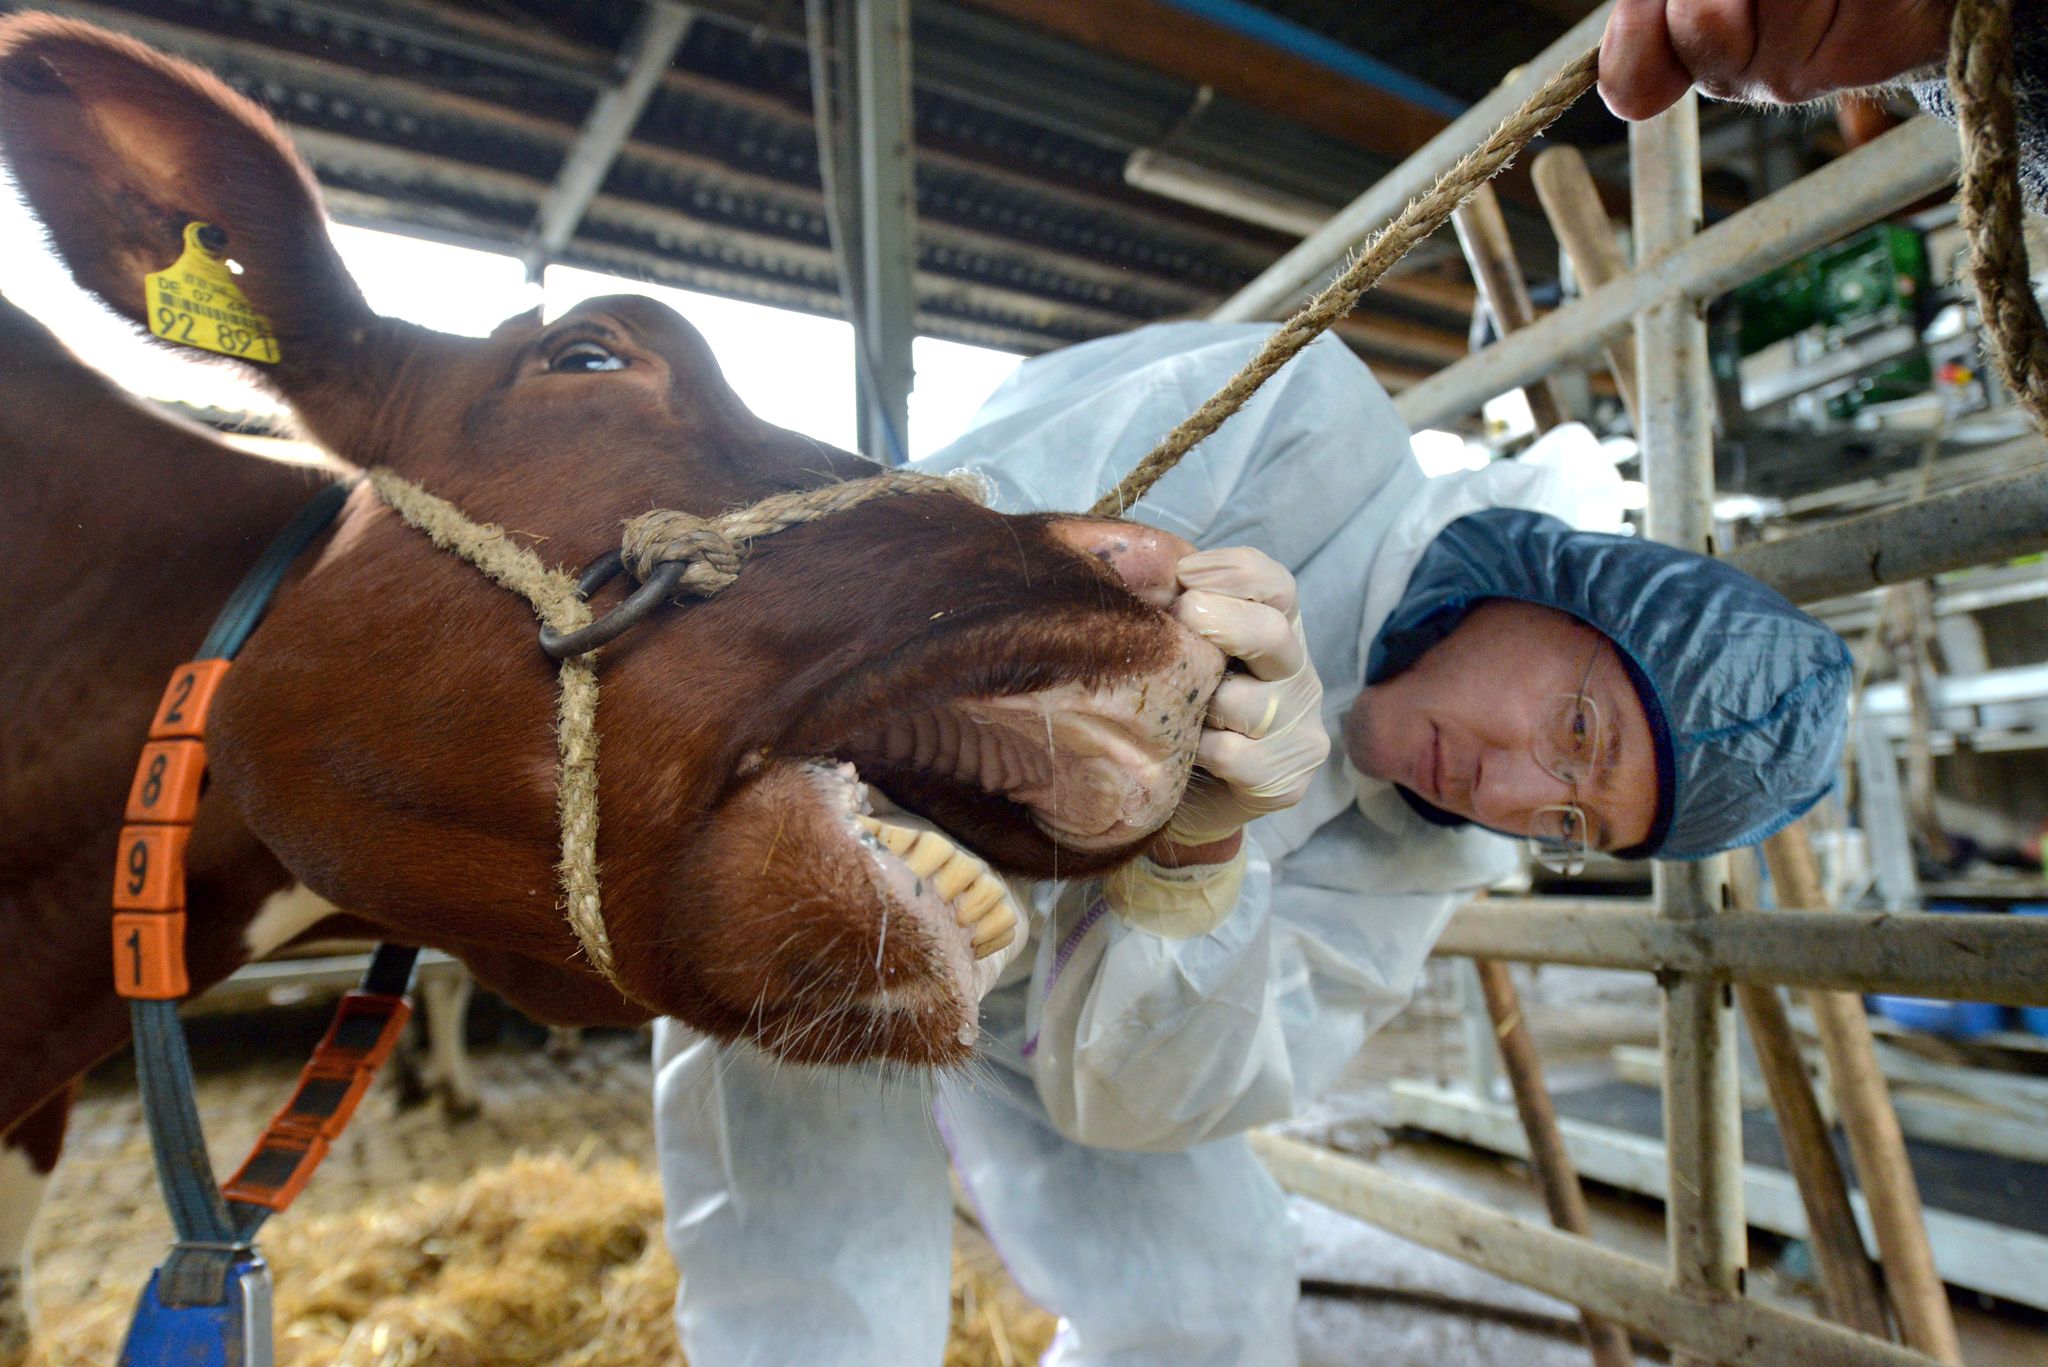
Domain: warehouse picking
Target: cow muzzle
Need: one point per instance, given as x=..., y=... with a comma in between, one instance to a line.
x=1097, y=763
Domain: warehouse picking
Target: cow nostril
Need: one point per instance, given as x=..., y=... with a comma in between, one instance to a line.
x=1143, y=557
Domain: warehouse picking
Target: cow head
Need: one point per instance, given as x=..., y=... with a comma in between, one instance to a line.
x=389, y=732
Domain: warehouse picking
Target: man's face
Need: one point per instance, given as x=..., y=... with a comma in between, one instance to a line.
x=1462, y=727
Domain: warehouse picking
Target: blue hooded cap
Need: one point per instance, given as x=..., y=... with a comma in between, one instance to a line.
x=1747, y=696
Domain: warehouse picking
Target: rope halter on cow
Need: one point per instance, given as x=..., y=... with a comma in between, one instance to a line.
x=669, y=552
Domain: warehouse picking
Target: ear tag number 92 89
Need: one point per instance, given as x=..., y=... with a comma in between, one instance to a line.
x=195, y=302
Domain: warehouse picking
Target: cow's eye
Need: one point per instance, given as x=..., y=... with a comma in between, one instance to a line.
x=580, y=357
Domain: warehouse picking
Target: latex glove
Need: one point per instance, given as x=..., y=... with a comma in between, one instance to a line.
x=1175, y=903
x=1263, y=738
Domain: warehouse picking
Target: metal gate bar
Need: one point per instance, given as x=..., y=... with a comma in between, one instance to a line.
x=1981, y=957
x=1629, y=1291
x=1695, y=946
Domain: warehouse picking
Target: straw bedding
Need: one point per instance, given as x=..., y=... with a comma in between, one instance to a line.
x=543, y=1260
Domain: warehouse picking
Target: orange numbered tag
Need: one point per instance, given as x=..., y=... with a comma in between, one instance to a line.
x=166, y=786
x=149, y=955
x=187, y=699
x=149, y=871
x=367, y=1027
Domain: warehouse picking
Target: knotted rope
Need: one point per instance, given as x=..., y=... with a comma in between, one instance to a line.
x=713, y=548
x=1980, y=70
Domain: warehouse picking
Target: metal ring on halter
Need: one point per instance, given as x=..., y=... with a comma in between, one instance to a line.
x=560, y=645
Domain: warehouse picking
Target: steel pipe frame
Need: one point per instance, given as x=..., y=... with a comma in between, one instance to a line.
x=1977, y=524
x=1276, y=288
x=1910, y=162
x=651, y=50
x=331, y=152
x=1160, y=292
x=888, y=225
x=1085, y=284
x=1705, y=1235
x=1986, y=957
x=1719, y=1329
x=477, y=33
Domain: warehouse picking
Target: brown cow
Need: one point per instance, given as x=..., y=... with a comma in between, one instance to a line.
x=386, y=738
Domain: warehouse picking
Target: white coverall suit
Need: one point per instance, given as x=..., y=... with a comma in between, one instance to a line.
x=809, y=1210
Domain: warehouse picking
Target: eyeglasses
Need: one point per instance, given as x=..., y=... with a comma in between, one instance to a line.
x=1566, y=746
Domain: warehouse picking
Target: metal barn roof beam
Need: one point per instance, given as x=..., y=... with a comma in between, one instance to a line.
x=1158, y=35
x=648, y=55
x=888, y=225
x=1276, y=288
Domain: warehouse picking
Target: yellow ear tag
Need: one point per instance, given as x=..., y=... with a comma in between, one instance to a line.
x=195, y=301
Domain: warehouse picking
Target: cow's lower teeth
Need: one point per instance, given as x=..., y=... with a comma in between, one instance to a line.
x=980, y=901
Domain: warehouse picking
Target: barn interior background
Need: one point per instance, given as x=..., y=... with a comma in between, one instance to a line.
x=1018, y=175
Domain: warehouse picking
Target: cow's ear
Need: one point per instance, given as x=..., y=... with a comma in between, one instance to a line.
x=120, y=150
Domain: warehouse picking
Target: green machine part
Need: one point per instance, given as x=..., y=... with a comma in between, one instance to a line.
x=1875, y=278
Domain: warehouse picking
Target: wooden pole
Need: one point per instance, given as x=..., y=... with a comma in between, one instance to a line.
x=1579, y=218
x=1490, y=252
x=1705, y=1235
x=1562, y=1194
x=1847, y=1280
x=1875, y=1140
x=1849, y=1283
x=1736, y=1330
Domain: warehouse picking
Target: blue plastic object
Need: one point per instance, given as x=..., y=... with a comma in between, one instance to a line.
x=235, y=1333
x=2033, y=1019
x=1956, y=1020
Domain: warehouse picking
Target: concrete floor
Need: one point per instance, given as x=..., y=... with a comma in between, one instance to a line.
x=103, y=1228
x=1577, y=1016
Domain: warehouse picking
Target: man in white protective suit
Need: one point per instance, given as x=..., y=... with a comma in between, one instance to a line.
x=1578, y=690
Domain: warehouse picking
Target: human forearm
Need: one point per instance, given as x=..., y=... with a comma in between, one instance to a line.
x=1140, y=1041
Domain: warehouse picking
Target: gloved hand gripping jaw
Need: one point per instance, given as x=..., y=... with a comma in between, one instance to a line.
x=1263, y=740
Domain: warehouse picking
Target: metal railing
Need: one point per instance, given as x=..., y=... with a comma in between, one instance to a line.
x=1696, y=947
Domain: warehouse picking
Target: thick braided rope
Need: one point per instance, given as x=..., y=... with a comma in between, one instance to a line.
x=1980, y=75
x=713, y=547
x=553, y=597
x=1423, y=216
